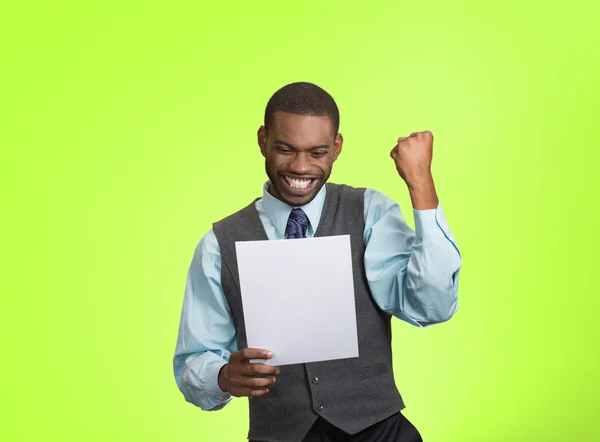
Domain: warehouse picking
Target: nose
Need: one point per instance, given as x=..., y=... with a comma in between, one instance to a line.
x=300, y=164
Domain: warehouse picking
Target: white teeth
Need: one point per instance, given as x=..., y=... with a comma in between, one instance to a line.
x=298, y=184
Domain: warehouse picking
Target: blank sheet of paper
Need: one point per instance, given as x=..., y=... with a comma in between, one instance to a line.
x=298, y=298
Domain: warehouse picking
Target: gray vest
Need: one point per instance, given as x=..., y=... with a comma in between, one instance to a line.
x=352, y=394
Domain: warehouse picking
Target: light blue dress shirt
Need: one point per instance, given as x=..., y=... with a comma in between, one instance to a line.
x=412, y=275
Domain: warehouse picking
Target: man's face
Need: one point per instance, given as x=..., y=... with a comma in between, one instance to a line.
x=299, y=153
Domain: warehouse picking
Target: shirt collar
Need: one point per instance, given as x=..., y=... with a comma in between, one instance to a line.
x=279, y=212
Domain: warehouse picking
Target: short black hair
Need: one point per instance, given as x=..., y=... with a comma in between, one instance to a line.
x=305, y=99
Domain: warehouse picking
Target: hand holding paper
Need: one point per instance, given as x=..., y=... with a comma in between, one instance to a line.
x=238, y=376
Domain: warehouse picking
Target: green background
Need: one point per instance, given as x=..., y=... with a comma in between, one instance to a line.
x=127, y=128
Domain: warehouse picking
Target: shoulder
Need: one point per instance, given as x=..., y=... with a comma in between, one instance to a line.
x=207, y=256
x=237, y=217
x=372, y=198
x=344, y=188
x=208, y=245
x=345, y=192
x=377, y=205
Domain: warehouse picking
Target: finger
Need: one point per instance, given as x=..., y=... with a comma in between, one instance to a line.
x=258, y=393
x=258, y=383
x=249, y=392
x=401, y=139
x=256, y=353
x=262, y=369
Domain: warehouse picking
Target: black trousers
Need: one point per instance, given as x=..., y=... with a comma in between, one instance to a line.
x=396, y=428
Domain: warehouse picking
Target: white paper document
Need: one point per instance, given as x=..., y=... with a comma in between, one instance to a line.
x=298, y=298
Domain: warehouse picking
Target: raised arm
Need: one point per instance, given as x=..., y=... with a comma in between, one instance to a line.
x=413, y=275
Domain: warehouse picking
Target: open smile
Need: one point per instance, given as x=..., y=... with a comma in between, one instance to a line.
x=299, y=186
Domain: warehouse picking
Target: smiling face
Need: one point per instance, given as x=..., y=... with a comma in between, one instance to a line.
x=299, y=153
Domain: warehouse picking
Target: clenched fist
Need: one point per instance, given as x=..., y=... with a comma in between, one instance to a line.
x=412, y=156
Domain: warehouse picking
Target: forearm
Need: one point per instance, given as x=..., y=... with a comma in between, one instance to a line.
x=422, y=193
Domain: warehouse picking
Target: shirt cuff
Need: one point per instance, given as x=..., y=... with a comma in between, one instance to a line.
x=212, y=383
x=432, y=224
x=426, y=223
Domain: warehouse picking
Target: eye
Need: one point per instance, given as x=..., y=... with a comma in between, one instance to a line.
x=319, y=153
x=284, y=150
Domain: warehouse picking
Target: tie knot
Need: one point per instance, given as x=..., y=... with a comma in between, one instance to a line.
x=296, y=225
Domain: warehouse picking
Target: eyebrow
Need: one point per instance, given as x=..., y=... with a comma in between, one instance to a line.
x=320, y=146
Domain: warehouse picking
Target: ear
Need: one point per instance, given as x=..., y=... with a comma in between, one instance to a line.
x=337, y=146
x=262, y=140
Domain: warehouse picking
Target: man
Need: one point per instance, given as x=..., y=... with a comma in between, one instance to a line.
x=411, y=275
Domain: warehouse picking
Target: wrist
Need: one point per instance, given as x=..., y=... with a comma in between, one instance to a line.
x=222, y=378
x=420, y=183
x=423, y=194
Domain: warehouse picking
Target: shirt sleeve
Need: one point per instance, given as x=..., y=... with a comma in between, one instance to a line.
x=206, y=335
x=413, y=275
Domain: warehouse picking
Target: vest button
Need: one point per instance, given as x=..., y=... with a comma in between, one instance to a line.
x=315, y=380
x=320, y=407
